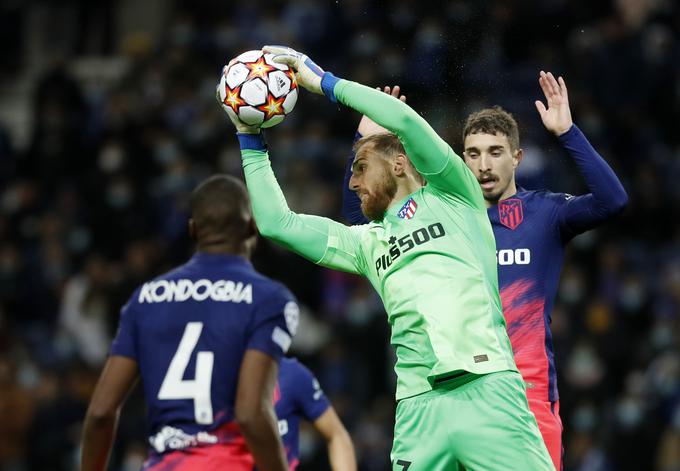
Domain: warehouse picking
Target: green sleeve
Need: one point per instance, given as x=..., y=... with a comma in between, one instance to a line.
x=318, y=239
x=430, y=154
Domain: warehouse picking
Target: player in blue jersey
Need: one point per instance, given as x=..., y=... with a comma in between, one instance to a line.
x=298, y=394
x=205, y=339
x=531, y=229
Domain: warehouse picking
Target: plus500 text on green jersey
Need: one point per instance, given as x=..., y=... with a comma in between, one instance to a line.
x=435, y=272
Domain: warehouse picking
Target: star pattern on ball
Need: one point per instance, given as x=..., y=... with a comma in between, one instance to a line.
x=259, y=69
x=392, y=240
x=273, y=107
x=293, y=79
x=233, y=100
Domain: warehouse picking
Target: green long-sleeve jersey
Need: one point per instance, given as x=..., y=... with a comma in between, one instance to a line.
x=434, y=268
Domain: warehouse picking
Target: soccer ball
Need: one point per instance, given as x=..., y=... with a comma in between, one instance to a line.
x=257, y=90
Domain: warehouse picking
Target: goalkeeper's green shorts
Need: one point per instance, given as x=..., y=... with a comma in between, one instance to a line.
x=470, y=422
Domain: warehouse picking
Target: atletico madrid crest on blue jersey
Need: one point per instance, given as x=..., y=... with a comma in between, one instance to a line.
x=510, y=213
x=408, y=210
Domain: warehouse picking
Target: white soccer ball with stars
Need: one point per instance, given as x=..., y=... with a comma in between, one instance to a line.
x=257, y=90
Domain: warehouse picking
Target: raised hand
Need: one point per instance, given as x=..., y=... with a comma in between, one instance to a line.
x=369, y=127
x=308, y=74
x=557, y=116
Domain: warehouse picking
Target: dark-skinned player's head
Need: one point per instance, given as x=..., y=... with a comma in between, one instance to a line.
x=380, y=166
x=221, y=216
x=492, y=152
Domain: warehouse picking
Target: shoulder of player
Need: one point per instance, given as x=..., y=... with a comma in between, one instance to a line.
x=288, y=365
x=172, y=274
x=296, y=374
x=262, y=288
x=429, y=191
x=268, y=288
x=543, y=196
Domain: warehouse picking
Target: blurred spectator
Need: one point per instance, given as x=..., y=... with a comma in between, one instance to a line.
x=86, y=309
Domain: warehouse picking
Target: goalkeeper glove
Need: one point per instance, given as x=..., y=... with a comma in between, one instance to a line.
x=308, y=74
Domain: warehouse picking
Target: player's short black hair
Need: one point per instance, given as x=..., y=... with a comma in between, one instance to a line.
x=493, y=120
x=220, y=207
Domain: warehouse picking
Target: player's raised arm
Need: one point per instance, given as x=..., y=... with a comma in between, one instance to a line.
x=320, y=240
x=431, y=155
x=607, y=196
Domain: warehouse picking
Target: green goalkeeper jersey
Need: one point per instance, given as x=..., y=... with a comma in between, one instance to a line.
x=431, y=259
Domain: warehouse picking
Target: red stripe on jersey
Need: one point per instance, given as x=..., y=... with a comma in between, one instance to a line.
x=524, y=317
x=230, y=454
x=276, y=397
x=215, y=458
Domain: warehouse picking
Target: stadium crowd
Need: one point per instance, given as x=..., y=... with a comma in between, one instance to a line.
x=96, y=201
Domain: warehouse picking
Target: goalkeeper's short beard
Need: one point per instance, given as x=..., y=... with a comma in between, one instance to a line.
x=376, y=202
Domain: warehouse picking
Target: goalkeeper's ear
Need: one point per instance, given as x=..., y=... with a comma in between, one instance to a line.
x=404, y=167
x=400, y=165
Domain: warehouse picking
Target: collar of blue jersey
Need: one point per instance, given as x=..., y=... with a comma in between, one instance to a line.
x=204, y=257
x=518, y=190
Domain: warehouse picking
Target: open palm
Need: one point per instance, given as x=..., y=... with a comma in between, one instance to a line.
x=557, y=116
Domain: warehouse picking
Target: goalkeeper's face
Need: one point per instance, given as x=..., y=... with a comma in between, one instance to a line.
x=373, y=182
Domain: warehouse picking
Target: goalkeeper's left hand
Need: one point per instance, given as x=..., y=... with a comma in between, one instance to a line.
x=308, y=74
x=241, y=127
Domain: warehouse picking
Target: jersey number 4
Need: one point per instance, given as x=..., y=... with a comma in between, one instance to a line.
x=198, y=389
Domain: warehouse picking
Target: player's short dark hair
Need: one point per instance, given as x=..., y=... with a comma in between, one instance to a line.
x=493, y=120
x=220, y=206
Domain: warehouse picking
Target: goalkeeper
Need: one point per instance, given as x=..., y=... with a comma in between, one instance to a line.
x=430, y=253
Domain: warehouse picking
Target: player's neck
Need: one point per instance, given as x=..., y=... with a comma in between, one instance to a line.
x=510, y=190
x=404, y=189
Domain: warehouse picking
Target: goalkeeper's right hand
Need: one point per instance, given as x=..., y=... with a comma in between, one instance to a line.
x=241, y=127
x=309, y=75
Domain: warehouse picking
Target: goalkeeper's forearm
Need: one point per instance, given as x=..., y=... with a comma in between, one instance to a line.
x=428, y=152
x=305, y=235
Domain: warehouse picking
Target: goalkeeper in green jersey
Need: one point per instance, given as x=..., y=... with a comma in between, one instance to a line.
x=430, y=253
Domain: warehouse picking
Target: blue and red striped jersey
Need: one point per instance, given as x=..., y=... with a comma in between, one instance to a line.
x=188, y=330
x=530, y=252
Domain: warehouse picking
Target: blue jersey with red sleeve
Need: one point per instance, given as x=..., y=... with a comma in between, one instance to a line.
x=297, y=395
x=531, y=229
x=188, y=330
